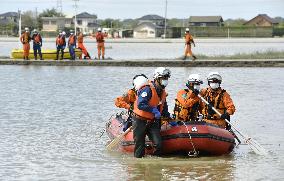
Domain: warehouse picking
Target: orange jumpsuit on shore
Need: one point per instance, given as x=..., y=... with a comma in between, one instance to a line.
x=219, y=99
x=82, y=47
x=25, y=39
x=126, y=100
x=188, y=41
x=100, y=45
x=186, y=105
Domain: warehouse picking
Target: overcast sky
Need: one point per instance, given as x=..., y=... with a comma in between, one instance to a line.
x=123, y=9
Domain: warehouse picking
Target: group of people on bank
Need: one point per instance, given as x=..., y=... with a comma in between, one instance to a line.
x=147, y=106
x=74, y=42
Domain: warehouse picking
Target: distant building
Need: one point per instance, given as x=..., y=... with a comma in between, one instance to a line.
x=9, y=23
x=152, y=18
x=148, y=30
x=206, y=21
x=261, y=20
x=53, y=24
x=86, y=22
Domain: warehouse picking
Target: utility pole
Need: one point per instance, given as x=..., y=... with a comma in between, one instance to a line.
x=165, y=28
x=20, y=26
x=59, y=6
x=75, y=23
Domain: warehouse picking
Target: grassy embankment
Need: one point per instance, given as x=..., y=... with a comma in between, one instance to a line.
x=255, y=55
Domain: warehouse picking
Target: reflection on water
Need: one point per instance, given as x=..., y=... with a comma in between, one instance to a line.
x=52, y=119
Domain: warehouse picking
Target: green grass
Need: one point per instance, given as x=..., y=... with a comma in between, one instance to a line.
x=255, y=55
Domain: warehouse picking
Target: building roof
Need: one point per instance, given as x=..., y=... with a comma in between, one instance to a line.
x=149, y=24
x=205, y=19
x=151, y=17
x=85, y=15
x=56, y=18
x=266, y=17
x=6, y=22
x=9, y=14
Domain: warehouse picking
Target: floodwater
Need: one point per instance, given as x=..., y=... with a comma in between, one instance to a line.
x=158, y=49
x=52, y=119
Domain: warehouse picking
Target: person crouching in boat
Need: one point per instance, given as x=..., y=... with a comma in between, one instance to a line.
x=187, y=100
x=25, y=39
x=127, y=100
x=72, y=45
x=149, y=106
x=37, y=44
x=218, y=98
x=60, y=45
x=82, y=47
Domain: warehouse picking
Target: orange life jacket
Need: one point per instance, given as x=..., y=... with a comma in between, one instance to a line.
x=188, y=38
x=100, y=37
x=60, y=40
x=155, y=101
x=37, y=38
x=183, y=112
x=25, y=37
x=126, y=100
x=71, y=39
x=80, y=38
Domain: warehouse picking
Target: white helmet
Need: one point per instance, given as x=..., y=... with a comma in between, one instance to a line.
x=35, y=30
x=186, y=29
x=99, y=29
x=194, y=78
x=26, y=29
x=139, y=81
x=214, y=76
x=162, y=72
x=63, y=33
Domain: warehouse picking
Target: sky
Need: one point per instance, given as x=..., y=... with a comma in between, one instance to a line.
x=124, y=9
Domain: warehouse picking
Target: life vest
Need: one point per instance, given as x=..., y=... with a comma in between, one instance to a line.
x=37, y=38
x=188, y=38
x=26, y=37
x=60, y=40
x=155, y=101
x=100, y=37
x=217, y=102
x=126, y=100
x=71, y=40
x=80, y=39
x=186, y=113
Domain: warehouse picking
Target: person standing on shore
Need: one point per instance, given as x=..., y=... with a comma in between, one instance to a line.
x=82, y=47
x=60, y=45
x=188, y=41
x=25, y=40
x=100, y=44
x=72, y=45
x=37, y=44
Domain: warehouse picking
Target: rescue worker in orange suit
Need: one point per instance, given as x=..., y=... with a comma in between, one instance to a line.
x=219, y=99
x=60, y=45
x=72, y=45
x=127, y=101
x=82, y=47
x=100, y=44
x=37, y=44
x=187, y=100
x=188, y=41
x=149, y=106
x=25, y=39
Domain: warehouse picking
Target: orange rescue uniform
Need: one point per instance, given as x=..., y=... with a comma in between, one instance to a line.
x=25, y=39
x=81, y=46
x=188, y=41
x=126, y=100
x=186, y=105
x=100, y=44
x=219, y=99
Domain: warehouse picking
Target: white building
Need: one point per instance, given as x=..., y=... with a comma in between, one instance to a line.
x=147, y=30
x=52, y=24
x=86, y=23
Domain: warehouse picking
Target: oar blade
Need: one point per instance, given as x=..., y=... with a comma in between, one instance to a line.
x=256, y=147
x=118, y=139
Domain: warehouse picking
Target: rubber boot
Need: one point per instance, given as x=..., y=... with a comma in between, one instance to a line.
x=184, y=58
x=35, y=57
x=194, y=57
x=103, y=57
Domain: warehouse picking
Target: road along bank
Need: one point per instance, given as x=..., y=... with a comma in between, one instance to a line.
x=151, y=63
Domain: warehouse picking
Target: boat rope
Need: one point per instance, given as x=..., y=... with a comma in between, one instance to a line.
x=193, y=153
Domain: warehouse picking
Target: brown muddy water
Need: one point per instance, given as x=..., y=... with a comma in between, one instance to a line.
x=52, y=118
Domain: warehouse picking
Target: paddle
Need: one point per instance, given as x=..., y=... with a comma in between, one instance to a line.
x=116, y=140
x=255, y=146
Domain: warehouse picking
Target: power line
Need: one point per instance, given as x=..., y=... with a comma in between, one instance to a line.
x=59, y=6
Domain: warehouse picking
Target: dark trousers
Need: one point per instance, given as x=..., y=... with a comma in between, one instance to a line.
x=60, y=48
x=140, y=129
x=37, y=50
x=72, y=51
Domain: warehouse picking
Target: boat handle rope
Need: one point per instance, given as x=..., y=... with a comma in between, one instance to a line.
x=193, y=153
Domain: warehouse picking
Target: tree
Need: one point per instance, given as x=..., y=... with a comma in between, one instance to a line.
x=234, y=22
x=49, y=13
x=29, y=20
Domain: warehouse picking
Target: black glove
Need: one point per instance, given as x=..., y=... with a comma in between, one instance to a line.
x=195, y=91
x=225, y=116
x=210, y=110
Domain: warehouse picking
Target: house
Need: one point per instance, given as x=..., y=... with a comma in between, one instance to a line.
x=148, y=30
x=86, y=22
x=155, y=19
x=9, y=23
x=261, y=20
x=206, y=21
x=53, y=24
